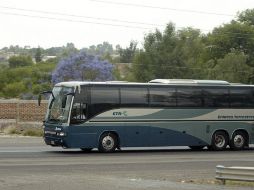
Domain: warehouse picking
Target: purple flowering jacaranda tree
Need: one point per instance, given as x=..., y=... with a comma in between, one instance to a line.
x=80, y=67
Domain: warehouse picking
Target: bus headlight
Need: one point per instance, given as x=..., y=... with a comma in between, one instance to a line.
x=61, y=134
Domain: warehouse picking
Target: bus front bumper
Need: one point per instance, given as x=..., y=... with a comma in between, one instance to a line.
x=54, y=141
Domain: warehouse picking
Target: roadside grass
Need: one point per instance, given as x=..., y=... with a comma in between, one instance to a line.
x=240, y=183
x=219, y=182
x=31, y=131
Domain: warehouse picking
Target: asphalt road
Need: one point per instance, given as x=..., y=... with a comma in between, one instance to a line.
x=27, y=164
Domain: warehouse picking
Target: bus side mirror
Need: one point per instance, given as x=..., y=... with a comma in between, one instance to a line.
x=39, y=100
x=45, y=92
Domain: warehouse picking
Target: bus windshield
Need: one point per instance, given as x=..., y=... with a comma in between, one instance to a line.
x=59, y=105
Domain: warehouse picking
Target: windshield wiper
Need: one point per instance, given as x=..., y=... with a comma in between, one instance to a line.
x=54, y=121
x=59, y=121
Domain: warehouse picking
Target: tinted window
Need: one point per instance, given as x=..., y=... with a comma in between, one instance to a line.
x=241, y=97
x=162, y=97
x=83, y=95
x=134, y=96
x=189, y=97
x=78, y=113
x=104, y=95
x=216, y=97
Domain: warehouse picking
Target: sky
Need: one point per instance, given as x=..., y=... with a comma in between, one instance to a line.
x=52, y=23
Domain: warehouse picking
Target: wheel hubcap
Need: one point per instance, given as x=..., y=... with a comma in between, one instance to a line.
x=238, y=141
x=108, y=142
x=220, y=141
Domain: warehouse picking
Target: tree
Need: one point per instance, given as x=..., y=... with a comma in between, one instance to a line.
x=19, y=61
x=230, y=47
x=191, y=46
x=235, y=36
x=169, y=54
x=232, y=68
x=69, y=49
x=246, y=17
x=103, y=49
x=26, y=82
x=82, y=66
x=14, y=90
x=127, y=55
x=38, y=56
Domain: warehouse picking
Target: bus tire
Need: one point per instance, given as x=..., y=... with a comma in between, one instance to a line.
x=219, y=141
x=239, y=140
x=108, y=142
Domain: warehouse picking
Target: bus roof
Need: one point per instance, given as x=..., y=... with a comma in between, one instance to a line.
x=155, y=82
x=190, y=81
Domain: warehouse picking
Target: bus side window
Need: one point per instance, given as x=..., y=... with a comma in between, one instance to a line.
x=241, y=97
x=189, y=97
x=162, y=97
x=78, y=112
x=216, y=97
x=134, y=97
x=102, y=99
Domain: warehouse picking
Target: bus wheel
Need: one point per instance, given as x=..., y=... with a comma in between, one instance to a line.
x=108, y=142
x=196, y=147
x=86, y=149
x=238, y=141
x=219, y=140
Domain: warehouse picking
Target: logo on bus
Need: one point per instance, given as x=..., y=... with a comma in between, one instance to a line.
x=118, y=113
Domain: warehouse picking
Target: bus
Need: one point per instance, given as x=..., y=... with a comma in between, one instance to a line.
x=163, y=112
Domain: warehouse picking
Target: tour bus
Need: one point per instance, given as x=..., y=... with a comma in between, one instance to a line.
x=163, y=112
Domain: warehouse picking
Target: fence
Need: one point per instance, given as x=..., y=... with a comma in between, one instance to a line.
x=234, y=173
x=22, y=110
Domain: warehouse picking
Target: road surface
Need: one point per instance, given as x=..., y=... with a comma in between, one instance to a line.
x=26, y=163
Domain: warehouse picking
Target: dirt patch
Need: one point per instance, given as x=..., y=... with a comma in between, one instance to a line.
x=24, y=129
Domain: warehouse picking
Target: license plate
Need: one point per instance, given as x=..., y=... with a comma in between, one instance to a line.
x=53, y=142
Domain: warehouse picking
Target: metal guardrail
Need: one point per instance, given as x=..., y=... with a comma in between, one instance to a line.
x=234, y=173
